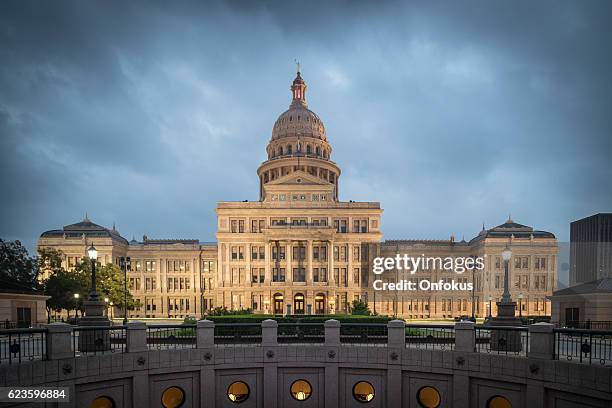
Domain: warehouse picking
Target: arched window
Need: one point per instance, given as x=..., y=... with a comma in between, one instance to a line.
x=318, y=151
x=298, y=303
x=278, y=303
x=308, y=149
x=289, y=149
x=280, y=151
x=320, y=303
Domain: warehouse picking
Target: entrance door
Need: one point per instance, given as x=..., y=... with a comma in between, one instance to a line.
x=24, y=317
x=572, y=316
x=278, y=303
x=298, y=304
x=320, y=304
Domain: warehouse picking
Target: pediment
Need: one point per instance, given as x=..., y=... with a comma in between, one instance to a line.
x=298, y=178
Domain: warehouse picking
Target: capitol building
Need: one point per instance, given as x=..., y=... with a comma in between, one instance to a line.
x=299, y=249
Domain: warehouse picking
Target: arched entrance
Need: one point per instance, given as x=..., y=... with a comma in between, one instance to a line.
x=278, y=303
x=320, y=303
x=298, y=303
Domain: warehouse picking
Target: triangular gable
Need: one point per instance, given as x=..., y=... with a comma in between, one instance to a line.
x=305, y=179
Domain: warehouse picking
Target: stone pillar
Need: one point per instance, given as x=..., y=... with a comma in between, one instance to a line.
x=396, y=334
x=269, y=333
x=464, y=336
x=205, y=334
x=136, y=337
x=309, y=262
x=59, y=341
x=332, y=332
x=541, y=341
x=289, y=261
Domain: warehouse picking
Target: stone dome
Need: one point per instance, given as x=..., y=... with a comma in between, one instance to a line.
x=298, y=120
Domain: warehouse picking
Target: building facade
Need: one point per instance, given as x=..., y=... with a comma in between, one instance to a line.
x=591, y=249
x=299, y=249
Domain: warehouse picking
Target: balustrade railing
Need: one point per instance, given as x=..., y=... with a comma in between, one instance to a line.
x=430, y=337
x=536, y=341
x=91, y=340
x=584, y=346
x=20, y=345
x=171, y=336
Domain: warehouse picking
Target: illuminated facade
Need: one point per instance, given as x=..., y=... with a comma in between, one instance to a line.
x=299, y=249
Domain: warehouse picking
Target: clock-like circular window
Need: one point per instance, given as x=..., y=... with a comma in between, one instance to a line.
x=498, y=402
x=363, y=391
x=173, y=397
x=238, y=392
x=429, y=397
x=102, y=402
x=301, y=390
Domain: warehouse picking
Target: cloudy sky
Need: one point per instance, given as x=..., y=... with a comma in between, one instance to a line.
x=449, y=114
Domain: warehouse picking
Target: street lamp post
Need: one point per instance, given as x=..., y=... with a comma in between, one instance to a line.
x=501, y=340
x=126, y=265
x=93, y=256
x=490, y=299
x=106, y=306
x=520, y=298
x=111, y=309
x=76, y=304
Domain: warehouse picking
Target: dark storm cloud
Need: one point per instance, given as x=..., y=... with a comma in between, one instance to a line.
x=450, y=114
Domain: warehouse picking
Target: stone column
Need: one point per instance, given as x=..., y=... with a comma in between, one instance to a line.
x=59, y=341
x=464, y=336
x=332, y=332
x=541, y=341
x=309, y=262
x=269, y=333
x=396, y=334
x=288, y=261
x=136, y=337
x=205, y=334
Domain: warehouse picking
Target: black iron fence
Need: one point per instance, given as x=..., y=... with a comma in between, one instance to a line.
x=91, y=340
x=502, y=339
x=20, y=345
x=171, y=336
x=292, y=333
x=428, y=336
x=363, y=333
x=584, y=346
x=237, y=333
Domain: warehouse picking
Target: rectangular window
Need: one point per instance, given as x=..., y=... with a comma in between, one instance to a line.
x=240, y=226
x=299, y=274
x=356, y=275
x=315, y=253
x=497, y=262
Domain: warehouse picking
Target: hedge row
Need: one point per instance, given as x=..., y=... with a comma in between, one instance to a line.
x=256, y=318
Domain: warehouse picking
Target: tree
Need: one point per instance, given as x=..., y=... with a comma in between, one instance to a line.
x=110, y=283
x=359, y=307
x=61, y=287
x=15, y=263
x=49, y=262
